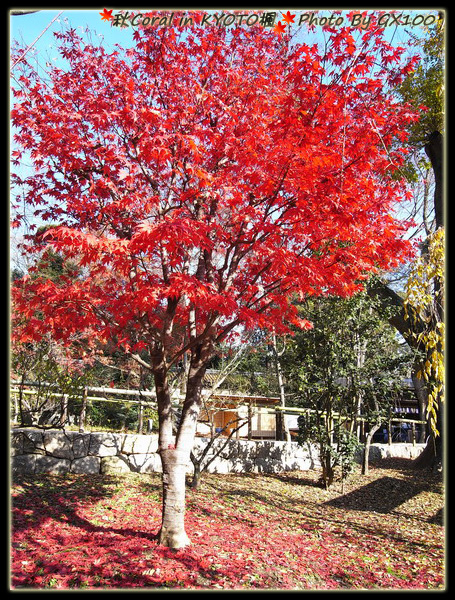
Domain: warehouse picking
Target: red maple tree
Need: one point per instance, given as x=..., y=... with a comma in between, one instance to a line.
x=201, y=181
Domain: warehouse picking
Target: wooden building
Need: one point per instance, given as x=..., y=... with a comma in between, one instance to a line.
x=253, y=417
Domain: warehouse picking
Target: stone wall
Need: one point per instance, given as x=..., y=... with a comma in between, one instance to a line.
x=56, y=451
x=399, y=450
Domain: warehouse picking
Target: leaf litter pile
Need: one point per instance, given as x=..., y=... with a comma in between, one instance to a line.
x=248, y=531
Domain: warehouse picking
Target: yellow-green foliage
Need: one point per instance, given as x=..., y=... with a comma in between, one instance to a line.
x=423, y=304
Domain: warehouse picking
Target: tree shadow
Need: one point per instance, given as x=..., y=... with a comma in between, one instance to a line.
x=380, y=496
x=293, y=506
x=385, y=494
x=55, y=497
x=404, y=465
x=302, y=480
x=437, y=518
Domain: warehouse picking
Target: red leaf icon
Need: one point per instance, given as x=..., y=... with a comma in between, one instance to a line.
x=106, y=15
x=279, y=28
x=288, y=18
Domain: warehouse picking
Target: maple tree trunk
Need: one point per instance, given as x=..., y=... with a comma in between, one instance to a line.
x=172, y=533
x=175, y=454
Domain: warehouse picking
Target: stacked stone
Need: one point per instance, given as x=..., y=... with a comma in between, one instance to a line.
x=56, y=451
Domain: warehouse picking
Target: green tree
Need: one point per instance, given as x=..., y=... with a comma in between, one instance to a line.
x=349, y=368
x=425, y=85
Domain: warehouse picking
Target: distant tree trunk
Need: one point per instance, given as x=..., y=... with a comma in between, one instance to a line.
x=63, y=410
x=250, y=417
x=282, y=432
x=83, y=413
x=196, y=473
x=21, y=406
x=140, y=406
x=366, y=450
x=328, y=472
x=422, y=399
x=434, y=149
x=140, y=417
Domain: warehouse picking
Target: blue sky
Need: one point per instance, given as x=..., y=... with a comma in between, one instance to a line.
x=28, y=27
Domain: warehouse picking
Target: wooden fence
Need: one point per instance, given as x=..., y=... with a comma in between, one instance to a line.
x=145, y=398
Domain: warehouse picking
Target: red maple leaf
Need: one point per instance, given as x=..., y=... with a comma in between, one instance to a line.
x=288, y=18
x=106, y=15
x=279, y=28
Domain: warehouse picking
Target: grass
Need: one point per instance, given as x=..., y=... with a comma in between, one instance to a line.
x=248, y=531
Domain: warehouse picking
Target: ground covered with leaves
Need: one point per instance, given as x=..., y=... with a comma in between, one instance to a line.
x=248, y=532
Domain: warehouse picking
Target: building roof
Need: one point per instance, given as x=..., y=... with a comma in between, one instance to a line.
x=227, y=397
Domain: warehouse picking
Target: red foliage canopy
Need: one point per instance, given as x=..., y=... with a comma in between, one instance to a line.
x=203, y=177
